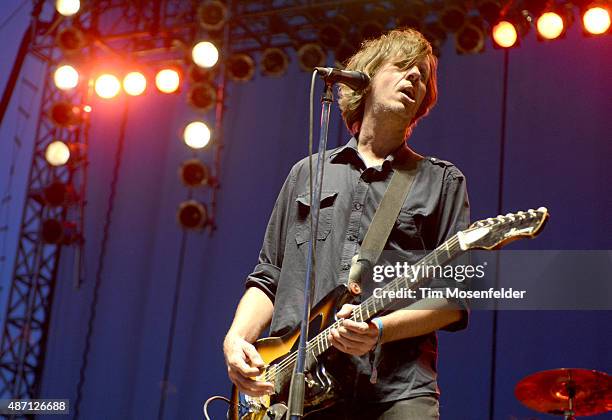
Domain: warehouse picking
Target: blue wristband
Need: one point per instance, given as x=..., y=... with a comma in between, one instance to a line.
x=379, y=324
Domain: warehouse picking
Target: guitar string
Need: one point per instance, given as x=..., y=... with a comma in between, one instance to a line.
x=321, y=338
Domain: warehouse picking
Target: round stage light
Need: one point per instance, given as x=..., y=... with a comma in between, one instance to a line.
x=57, y=232
x=193, y=173
x=107, y=86
x=470, y=38
x=205, y=54
x=596, y=20
x=504, y=34
x=452, y=15
x=57, y=153
x=550, y=25
x=192, y=215
x=331, y=36
x=71, y=40
x=202, y=96
x=65, y=114
x=67, y=7
x=58, y=194
x=134, y=83
x=212, y=15
x=274, y=62
x=66, y=77
x=311, y=56
x=167, y=80
x=240, y=67
x=196, y=135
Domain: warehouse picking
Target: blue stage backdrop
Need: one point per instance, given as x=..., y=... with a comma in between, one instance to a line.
x=558, y=147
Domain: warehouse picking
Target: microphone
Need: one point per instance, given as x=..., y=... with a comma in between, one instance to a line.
x=356, y=80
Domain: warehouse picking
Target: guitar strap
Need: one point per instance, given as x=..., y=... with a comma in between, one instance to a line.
x=382, y=223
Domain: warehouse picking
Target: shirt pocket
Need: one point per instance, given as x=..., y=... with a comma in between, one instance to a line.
x=406, y=234
x=302, y=231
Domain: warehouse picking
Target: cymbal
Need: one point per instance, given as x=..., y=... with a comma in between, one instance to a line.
x=549, y=391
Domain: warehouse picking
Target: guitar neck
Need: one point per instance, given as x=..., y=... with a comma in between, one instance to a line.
x=372, y=306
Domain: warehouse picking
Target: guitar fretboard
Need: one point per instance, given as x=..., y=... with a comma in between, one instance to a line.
x=372, y=306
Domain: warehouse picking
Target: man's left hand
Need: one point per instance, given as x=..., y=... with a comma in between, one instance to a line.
x=356, y=338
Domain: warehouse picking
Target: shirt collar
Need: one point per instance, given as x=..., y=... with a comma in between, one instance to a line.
x=349, y=152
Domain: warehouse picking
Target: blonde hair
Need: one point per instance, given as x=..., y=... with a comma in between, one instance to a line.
x=407, y=45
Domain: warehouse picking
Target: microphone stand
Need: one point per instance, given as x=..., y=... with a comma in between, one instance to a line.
x=295, y=401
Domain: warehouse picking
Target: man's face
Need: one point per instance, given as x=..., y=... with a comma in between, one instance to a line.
x=398, y=89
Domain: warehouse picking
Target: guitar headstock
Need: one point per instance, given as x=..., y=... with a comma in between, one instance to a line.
x=496, y=232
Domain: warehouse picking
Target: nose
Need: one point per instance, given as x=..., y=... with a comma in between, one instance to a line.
x=414, y=75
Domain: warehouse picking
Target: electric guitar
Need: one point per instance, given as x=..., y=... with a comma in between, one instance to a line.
x=280, y=353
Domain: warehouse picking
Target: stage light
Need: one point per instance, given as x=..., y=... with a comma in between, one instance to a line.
x=56, y=232
x=107, y=86
x=452, y=15
x=240, y=67
x=205, y=54
x=596, y=19
x=67, y=7
x=65, y=114
x=192, y=215
x=57, y=194
x=57, y=153
x=212, y=15
x=134, y=83
x=273, y=62
x=550, y=25
x=197, y=74
x=71, y=40
x=202, y=96
x=489, y=9
x=194, y=173
x=167, y=80
x=411, y=14
x=66, y=77
x=470, y=38
x=331, y=36
x=196, y=135
x=310, y=56
x=504, y=34
x=435, y=34
x=343, y=53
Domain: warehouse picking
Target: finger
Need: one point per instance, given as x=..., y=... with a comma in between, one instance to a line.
x=345, y=311
x=253, y=356
x=351, y=336
x=250, y=386
x=356, y=349
x=347, y=340
x=358, y=327
x=239, y=364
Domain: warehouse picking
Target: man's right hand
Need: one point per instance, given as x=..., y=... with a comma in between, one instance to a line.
x=243, y=363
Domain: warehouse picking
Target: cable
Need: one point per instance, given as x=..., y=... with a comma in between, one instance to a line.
x=500, y=197
x=211, y=399
x=170, y=346
x=101, y=257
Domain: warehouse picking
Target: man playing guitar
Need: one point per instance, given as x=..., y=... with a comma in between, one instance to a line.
x=401, y=384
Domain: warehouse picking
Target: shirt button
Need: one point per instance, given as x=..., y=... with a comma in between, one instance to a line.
x=357, y=206
x=345, y=266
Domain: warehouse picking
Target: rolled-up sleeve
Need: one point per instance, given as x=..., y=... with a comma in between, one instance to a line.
x=266, y=274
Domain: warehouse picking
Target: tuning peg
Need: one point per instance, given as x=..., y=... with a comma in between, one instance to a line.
x=511, y=217
x=542, y=209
